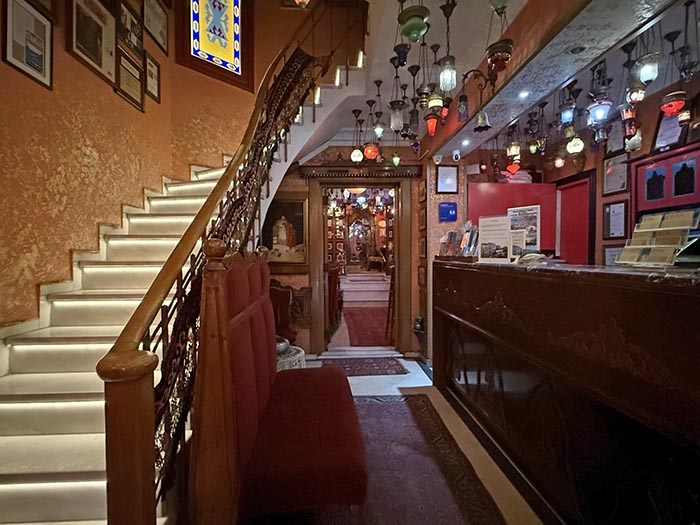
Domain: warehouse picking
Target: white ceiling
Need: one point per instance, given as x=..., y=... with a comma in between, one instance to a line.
x=469, y=28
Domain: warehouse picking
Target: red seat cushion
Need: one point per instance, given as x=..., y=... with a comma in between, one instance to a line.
x=309, y=450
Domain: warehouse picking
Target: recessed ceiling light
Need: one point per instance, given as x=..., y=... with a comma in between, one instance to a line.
x=465, y=142
x=577, y=50
x=523, y=95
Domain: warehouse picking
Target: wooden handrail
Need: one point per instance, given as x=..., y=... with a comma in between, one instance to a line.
x=124, y=362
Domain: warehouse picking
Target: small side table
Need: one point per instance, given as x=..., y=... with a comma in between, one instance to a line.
x=292, y=357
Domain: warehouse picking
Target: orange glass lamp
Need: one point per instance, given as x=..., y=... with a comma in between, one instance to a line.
x=371, y=151
x=431, y=120
x=672, y=103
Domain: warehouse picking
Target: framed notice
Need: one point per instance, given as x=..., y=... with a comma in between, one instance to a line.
x=526, y=218
x=130, y=31
x=92, y=37
x=669, y=133
x=155, y=20
x=616, y=139
x=615, y=220
x=447, y=180
x=152, y=77
x=494, y=239
x=28, y=45
x=612, y=253
x=130, y=80
x=615, y=175
x=517, y=244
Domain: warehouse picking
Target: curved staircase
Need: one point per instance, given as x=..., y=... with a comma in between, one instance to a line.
x=52, y=450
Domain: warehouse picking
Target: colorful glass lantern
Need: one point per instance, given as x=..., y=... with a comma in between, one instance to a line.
x=396, y=159
x=513, y=149
x=396, y=107
x=499, y=54
x=357, y=156
x=575, y=145
x=598, y=112
x=435, y=100
x=628, y=116
x=483, y=166
x=463, y=107
x=431, y=120
x=448, y=73
x=636, y=91
x=414, y=22
x=401, y=51
x=371, y=151
x=513, y=168
x=532, y=147
x=672, y=103
x=647, y=67
x=567, y=113
x=559, y=161
x=444, y=111
x=379, y=128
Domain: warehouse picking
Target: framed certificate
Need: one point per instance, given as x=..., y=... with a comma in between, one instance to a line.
x=615, y=220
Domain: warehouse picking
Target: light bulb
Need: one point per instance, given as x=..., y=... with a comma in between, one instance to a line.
x=559, y=162
x=448, y=74
x=575, y=145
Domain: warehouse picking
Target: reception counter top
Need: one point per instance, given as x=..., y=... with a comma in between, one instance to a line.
x=567, y=366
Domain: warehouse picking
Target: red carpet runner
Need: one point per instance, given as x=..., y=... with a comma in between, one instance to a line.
x=366, y=326
x=368, y=366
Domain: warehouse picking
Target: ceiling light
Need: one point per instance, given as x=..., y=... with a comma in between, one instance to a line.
x=647, y=67
x=523, y=95
x=532, y=147
x=598, y=112
x=448, y=74
x=414, y=22
x=513, y=149
x=465, y=143
x=636, y=90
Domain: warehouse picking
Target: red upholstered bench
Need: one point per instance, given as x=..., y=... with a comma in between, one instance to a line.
x=298, y=439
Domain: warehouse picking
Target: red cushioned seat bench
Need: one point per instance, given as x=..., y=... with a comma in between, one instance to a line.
x=298, y=439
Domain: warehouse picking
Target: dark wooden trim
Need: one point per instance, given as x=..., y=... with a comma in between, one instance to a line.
x=183, y=57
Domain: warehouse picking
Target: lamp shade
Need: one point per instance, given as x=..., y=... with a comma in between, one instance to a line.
x=357, y=155
x=379, y=129
x=401, y=51
x=672, y=103
x=598, y=112
x=431, y=120
x=482, y=122
x=448, y=74
x=414, y=22
x=532, y=147
x=435, y=100
x=396, y=107
x=568, y=112
x=371, y=151
x=647, y=67
x=513, y=149
x=575, y=145
x=396, y=159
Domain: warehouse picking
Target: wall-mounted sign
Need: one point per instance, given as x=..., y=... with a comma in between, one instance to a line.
x=447, y=212
x=215, y=32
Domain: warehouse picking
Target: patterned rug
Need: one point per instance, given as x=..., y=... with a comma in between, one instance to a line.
x=417, y=474
x=366, y=326
x=368, y=366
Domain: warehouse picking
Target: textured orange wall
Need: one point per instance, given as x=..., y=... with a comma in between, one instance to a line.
x=69, y=158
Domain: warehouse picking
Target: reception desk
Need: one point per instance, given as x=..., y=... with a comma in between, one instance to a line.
x=584, y=380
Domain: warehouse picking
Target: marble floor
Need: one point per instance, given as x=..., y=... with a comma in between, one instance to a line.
x=514, y=508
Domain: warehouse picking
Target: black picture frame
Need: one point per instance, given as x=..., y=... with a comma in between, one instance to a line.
x=150, y=64
x=607, y=213
x=130, y=31
x=447, y=180
x=128, y=73
x=155, y=8
x=27, y=69
x=665, y=136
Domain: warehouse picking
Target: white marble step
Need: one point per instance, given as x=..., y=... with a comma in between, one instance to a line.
x=25, y=418
x=192, y=188
x=211, y=174
x=141, y=248
x=51, y=357
x=365, y=286
x=160, y=204
x=84, y=386
x=118, y=275
x=93, y=307
x=365, y=295
x=158, y=224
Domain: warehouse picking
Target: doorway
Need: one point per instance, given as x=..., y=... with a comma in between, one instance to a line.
x=360, y=233
x=576, y=206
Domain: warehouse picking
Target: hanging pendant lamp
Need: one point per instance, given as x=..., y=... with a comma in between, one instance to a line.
x=414, y=22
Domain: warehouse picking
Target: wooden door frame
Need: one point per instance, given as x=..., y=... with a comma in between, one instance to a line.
x=402, y=254
x=589, y=175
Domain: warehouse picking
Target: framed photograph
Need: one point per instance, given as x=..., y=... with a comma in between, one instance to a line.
x=130, y=80
x=611, y=253
x=28, y=42
x=668, y=134
x=517, y=244
x=655, y=184
x=684, y=174
x=48, y=8
x=616, y=140
x=91, y=36
x=152, y=69
x=447, y=179
x=155, y=20
x=525, y=218
x=615, y=174
x=615, y=220
x=285, y=233
x=130, y=31
x=422, y=190
x=422, y=219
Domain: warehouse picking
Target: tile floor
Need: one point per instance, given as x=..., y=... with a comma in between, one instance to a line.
x=512, y=505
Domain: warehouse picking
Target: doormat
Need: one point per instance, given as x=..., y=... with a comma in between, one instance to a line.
x=367, y=326
x=368, y=366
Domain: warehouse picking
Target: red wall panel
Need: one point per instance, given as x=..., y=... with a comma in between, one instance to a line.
x=491, y=198
x=575, y=208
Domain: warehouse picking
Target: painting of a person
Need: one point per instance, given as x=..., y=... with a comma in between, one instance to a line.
x=285, y=233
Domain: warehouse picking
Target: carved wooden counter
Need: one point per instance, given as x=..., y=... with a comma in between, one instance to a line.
x=587, y=379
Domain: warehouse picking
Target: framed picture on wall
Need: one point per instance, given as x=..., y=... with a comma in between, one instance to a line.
x=130, y=80
x=422, y=219
x=611, y=253
x=615, y=217
x=615, y=174
x=422, y=190
x=28, y=45
x=422, y=248
x=285, y=234
x=616, y=139
x=447, y=180
x=130, y=31
x=684, y=175
x=422, y=276
x=152, y=77
x=155, y=20
x=91, y=37
x=668, y=133
x=48, y=8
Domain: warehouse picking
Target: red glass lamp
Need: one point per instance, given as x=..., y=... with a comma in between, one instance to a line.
x=371, y=151
x=672, y=103
x=431, y=120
